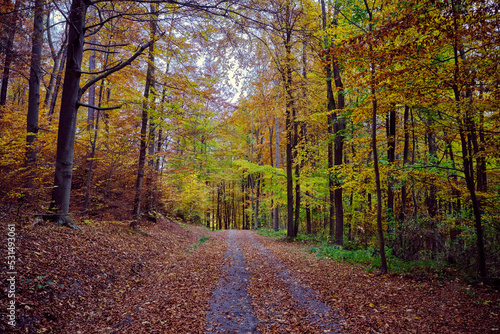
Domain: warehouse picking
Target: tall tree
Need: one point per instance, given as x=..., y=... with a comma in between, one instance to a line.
x=383, y=265
x=69, y=105
x=9, y=53
x=146, y=106
x=34, y=91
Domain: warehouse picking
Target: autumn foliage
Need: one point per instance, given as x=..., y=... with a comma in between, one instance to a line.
x=319, y=92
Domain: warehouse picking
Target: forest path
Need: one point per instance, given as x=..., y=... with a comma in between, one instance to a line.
x=259, y=294
x=179, y=278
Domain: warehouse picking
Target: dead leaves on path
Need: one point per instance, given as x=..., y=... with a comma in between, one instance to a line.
x=108, y=279
x=392, y=304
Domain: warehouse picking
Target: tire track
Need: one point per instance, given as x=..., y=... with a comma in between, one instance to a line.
x=320, y=314
x=231, y=310
x=280, y=304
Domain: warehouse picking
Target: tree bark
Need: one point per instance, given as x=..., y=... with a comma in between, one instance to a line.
x=466, y=132
x=383, y=266
x=402, y=212
x=136, y=212
x=391, y=156
x=338, y=129
x=34, y=93
x=330, y=127
x=55, y=93
x=9, y=54
x=289, y=140
x=56, y=56
x=67, y=118
x=277, y=162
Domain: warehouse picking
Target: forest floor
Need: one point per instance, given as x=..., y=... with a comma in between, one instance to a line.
x=179, y=278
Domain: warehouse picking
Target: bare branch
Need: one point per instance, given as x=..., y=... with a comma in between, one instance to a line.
x=100, y=108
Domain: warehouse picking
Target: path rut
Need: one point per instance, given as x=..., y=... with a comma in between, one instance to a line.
x=289, y=305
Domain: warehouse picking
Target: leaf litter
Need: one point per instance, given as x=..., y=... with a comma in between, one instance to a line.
x=107, y=279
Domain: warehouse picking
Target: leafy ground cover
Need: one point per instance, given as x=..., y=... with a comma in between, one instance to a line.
x=108, y=279
x=392, y=303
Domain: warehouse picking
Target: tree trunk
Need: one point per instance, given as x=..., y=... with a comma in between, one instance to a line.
x=67, y=118
x=34, y=92
x=56, y=56
x=277, y=162
x=9, y=54
x=338, y=129
x=391, y=156
x=466, y=131
x=308, y=217
x=330, y=120
x=90, y=110
x=58, y=82
x=257, y=203
x=431, y=200
x=144, y=128
x=289, y=142
x=383, y=266
x=297, y=176
x=402, y=212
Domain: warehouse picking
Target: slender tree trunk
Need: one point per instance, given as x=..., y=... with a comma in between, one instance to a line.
x=277, y=162
x=482, y=179
x=34, y=92
x=402, y=212
x=297, y=176
x=144, y=128
x=56, y=56
x=9, y=54
x=58, y=82
x=391, y=156
x=431, y=200
x=308, y=217
x=219, y=222
x=383, y=266
x=289, y=142
x=257, y=203
x=338, y=129
x=330, y=120
x=91, y=163
x=91, y=111
x=466, y=131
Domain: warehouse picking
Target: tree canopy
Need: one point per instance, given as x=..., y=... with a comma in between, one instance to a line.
x=372, y=123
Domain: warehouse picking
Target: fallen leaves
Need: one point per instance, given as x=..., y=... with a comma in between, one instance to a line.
x=108, y=280
x=391, y=304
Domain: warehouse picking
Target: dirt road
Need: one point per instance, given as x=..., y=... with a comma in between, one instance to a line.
x=258, y=293
x=106, y=279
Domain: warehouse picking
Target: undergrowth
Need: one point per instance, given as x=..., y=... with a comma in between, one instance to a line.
x=269, y=232
x=371, y=259
x=200, y=241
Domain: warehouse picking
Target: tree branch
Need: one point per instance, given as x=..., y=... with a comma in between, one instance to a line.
x=117, y=67
x=99, y=108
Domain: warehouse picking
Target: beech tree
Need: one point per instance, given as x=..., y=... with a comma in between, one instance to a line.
x=71, y=95
x=34, y=91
